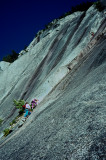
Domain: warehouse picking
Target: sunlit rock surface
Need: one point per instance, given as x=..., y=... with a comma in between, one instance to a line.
x=3, y=66
x=65, y=68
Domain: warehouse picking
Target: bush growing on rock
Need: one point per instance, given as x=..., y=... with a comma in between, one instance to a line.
x=7, y=131
x=99, y=6
x=13, y=122
x=80, y=7
x=18, y=104
x=25, y=48
x=1, y=121
x=11, y=57
x=21, y=111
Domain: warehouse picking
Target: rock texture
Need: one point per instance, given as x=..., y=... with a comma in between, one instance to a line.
x=65, y=68
x=3, y=66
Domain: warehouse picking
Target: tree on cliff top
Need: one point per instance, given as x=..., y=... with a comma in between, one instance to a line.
x=11, y=57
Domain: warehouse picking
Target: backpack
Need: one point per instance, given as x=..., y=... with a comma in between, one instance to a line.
x=23, y=106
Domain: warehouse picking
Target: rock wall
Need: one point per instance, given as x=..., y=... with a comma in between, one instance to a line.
x=65, y=70
x=3, y=66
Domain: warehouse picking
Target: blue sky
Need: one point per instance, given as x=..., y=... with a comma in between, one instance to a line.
x=20, y=20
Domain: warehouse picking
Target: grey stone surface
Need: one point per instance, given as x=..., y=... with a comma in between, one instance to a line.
x=66, y=71
x=3, y=66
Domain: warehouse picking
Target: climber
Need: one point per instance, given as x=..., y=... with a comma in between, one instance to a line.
x=23, y=107
x=92, y=34
x=34, y=103
x=27, y=109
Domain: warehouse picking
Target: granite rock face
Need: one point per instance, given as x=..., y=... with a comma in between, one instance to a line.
x=3, y=66
x=65, y=68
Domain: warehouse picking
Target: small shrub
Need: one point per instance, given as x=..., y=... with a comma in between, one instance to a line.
x=13, y=122
x=49, y=25
x=1, y=121
x=25, y=48
x=80, y=7
x=21, y=112
x=99, y=6
x=84, y=6
x=11, y=57
x=18, y=104
x=7, y=131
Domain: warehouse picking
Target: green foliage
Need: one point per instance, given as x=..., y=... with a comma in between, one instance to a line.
x=21, y=111
x=46, y=26
x=99, y=6
x=11, y=57
x=1, y=121
x=67, y=13
x=49, y=25
x=39, y=33
x=25, y=48
x=13, y=122
x=18, y=104
x=80, y=7
x=6, y=131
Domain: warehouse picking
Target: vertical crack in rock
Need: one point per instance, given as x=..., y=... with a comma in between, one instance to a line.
x=101, y=28
x=8, y=94
x=36, y=75
x=60, y=55
x=81, y=37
